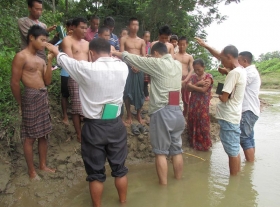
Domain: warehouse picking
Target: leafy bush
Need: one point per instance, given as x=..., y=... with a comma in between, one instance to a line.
x=267, y=66
x=7, y=102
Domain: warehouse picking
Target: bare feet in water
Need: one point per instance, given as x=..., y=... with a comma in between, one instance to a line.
x=33, y=176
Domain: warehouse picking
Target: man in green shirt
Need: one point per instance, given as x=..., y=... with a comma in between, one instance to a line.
x=167, y=121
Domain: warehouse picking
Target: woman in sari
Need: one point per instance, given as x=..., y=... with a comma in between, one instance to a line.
x=200, y=86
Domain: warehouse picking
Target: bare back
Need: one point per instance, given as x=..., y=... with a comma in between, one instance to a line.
x=32, y=69
x=186, y=60
x=135, y=45
x=77, y=49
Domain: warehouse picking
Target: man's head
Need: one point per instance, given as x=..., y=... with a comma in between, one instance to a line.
x=104, y=33
x=35, y=8
x=159, y=49
x=147, y=36
x=37, y=37
x=164, y=33
x=183, y=44
x=133, y=25
x=174, y=40
x=245, y=58
x=99, y=48
x=229, y=56
x=109, y=22
x=69, y=25
x=79, y=27
x=94, y=23
x=124, y=32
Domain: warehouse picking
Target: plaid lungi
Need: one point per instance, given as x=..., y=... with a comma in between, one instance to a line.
x=73, y=88
x=36, y=122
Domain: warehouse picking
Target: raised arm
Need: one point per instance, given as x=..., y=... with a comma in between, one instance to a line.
x=48, y=72
x=214, y=52
x=66, y=46
x=17, y=66
x=147, y=65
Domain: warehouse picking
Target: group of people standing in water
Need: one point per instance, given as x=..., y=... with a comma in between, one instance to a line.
x=101, y=72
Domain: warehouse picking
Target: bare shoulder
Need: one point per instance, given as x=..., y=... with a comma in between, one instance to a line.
x=85, y=42
x=154, y=42
x=123, y=39
x=67, y=39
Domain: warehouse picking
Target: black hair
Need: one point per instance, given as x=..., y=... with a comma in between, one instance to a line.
x=146, y=33
x=30, y=2
x=69, y=22
x=247, y=55
x=109, y=22
x=165, y=30
x=78, y=20
x=100, y=45
x=198, y=62
x=36, y=31
x=231, y=50
x=103, y=29
x=94, y=17
x=160, y=48
x=132, y=19
x=183, y=38
x=174, y=37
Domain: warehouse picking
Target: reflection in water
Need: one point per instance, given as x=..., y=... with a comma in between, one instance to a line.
x=205, y=183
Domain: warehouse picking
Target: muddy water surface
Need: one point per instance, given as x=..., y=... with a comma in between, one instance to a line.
x=206, y=183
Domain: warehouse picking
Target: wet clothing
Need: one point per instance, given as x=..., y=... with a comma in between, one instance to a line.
x=103, y=139
x=73, y=88
x=134, y=88
x=247, y=124
x=198, y=117
x=36, y=122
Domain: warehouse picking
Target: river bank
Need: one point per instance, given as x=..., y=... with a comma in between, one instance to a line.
x=65, y=155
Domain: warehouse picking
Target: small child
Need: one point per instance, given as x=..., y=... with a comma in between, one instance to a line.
x=174, y=42
x=124, y=32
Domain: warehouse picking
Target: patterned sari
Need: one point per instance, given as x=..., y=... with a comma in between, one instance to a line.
x=198, y=117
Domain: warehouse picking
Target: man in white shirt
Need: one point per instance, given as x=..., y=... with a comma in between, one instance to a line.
x=100, y=82
x=251, y=105
x=229, y=108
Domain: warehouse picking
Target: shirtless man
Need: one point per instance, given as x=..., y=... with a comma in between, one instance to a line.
x=76, y=47
x=133, y=92
x=32, y=71
x=187, y=70
x=164, y=34
x=104, y=33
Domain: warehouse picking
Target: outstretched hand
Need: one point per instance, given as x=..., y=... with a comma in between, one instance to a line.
x=51, y=28
x=223, y=71
x=53, y=50
x=200, y=42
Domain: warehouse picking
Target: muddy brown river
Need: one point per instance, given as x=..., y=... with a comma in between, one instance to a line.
x=205, y=183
